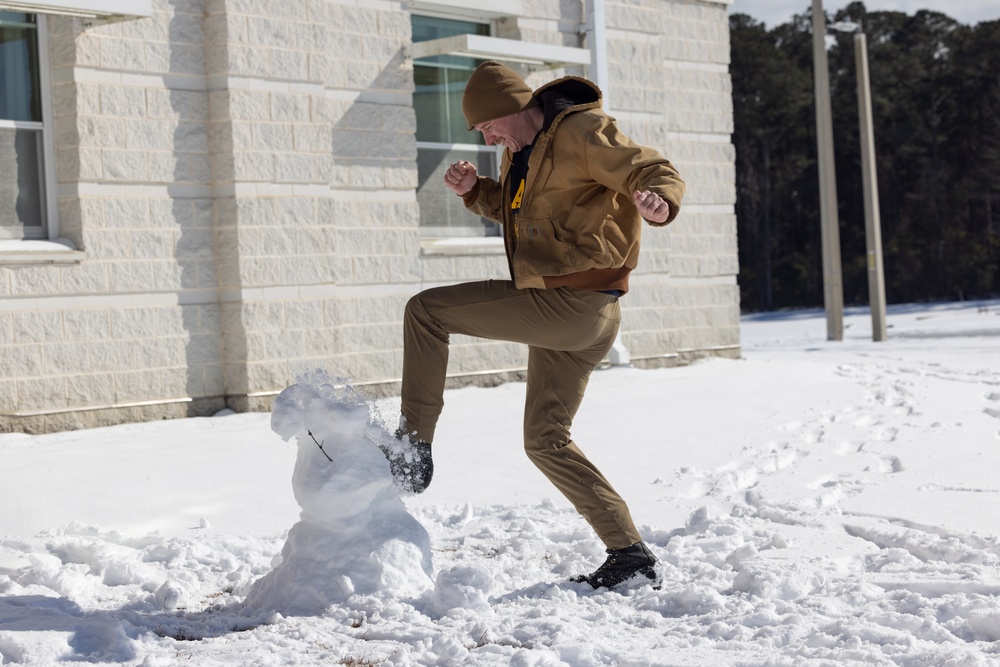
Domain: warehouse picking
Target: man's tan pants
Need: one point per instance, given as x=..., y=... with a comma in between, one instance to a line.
x=567, y=332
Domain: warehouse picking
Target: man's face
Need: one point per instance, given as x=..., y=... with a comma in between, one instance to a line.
x=508, y=131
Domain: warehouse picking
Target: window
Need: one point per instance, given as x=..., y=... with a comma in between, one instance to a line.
x=23, y=192
x=441, y=134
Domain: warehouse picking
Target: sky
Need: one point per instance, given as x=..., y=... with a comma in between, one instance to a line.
x=776, y=12
x=813, y=502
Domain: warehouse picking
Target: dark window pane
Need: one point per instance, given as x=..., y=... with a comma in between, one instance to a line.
x=441, y=210
x=428, y=27
x=20, y=94
x=20, y=183
x=437, y=100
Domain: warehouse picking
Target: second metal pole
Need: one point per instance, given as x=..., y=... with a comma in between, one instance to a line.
x=873, y=224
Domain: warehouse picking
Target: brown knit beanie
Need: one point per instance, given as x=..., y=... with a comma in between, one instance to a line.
x=494, y=91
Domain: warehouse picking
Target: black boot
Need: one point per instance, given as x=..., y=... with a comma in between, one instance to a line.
x=410, y=463
x=622, y=565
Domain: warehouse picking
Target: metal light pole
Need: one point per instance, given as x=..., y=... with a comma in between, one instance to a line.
x=869, y=175
x=833, y=290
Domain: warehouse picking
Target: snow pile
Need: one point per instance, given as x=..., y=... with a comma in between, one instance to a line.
x=355, y=535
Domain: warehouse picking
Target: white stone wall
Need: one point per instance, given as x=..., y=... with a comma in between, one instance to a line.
x=240, y=176
x=669, y=86
x=137, y=319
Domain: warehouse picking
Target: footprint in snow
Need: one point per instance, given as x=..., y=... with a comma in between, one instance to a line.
x=890, y=464
x=782, y=458
x=864, y=420
x=698, y=488
x=813, y=436
x=887, y=434
x=825, y=481
x=845, y=448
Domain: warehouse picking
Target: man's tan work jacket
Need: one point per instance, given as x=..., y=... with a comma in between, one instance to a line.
x=578, y=225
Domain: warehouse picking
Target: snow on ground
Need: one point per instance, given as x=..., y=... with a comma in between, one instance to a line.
x=813, y=503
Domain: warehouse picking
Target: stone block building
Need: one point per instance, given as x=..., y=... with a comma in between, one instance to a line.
x=200, y=199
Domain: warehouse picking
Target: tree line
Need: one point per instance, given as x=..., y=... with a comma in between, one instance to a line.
x=935, y=87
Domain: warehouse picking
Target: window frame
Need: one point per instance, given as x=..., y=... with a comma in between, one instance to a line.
x=92, y=11
x=469, y=231
x=490, y=228
x=49, y=229
x=479, y=47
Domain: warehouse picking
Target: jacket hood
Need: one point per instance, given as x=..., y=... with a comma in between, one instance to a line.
x=568, y=93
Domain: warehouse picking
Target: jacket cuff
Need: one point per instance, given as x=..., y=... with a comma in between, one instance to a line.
x=471, y=196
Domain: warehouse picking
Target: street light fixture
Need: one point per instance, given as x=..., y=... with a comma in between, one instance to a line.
x=869, y=176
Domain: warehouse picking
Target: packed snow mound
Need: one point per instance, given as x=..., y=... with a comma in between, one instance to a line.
x=354, y=535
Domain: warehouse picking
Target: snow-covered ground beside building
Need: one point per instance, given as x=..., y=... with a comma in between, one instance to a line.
x=812, y=503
